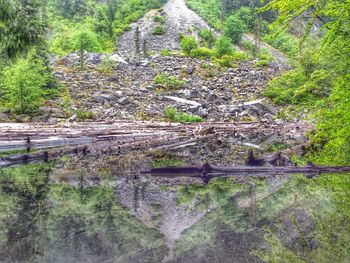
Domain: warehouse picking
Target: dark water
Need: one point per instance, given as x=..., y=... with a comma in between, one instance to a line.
x=104, y=210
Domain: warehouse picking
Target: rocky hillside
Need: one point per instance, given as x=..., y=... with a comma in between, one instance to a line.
x=177, y=19
x=129, y=91
x=142, y=90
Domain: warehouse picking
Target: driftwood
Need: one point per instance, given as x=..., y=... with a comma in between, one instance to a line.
x=44, y=142
x=208, y=171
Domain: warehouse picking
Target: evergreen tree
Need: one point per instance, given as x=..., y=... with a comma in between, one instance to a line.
x=137, y=42
x=23, y=24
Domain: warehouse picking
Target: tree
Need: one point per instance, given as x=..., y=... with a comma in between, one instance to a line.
x=234, y=28
x=137, y=39
x=23, y=83
x=70, y=8
x=188, y=43
x=86, y=41
x=223, y=47
x=23, y=24
x=331, y=139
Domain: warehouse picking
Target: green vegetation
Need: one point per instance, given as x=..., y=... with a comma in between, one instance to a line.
x=169, y=82
x=159, y=19
x=23, y=84
x=207, y=37
x=85, y=115
x=85, y=41
x=172, y=115
x=234, y=28
x=158, y=31
x=188, y=44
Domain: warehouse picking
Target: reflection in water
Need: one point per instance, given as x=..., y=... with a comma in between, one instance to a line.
x=104, y=210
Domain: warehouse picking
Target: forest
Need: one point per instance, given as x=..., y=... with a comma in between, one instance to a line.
x=94, y=93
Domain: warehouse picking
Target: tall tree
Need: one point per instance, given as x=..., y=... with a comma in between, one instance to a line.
x=23, y=24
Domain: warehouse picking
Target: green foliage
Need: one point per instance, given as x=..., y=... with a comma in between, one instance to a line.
x=245, y=14
x=223, y=47
x=107, y=66
x=85, y=115
x=188, y=44
x=159, y=19
x=23, y=84
x=264, y=58
x=158, y=31
x=207, y=37
x=202, y=52
x=85, y=41
x=166, y=81
x=172, y=115
x=234, y=28
x=283, y=42
x=324, y=71
x=23, y=25
x=226, y=61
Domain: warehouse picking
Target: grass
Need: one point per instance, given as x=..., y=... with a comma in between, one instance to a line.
x=172, y=115
x=159, y=19
x=169, y=82
x=158, y=31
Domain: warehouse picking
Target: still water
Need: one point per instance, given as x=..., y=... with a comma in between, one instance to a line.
x=105, y=210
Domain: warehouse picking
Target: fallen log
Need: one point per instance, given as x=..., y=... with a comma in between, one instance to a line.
x=208, y=171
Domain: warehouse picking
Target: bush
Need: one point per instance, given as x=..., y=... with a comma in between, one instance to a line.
x=23, y=84
x=85, y=115
x=172, y=115
x=202, y=52
x=245, y=14
x=159, y=19
x=158, y=31
x=234, y=28
x=106, y=67
x=223, y=47
x=166, y=81
x=264, y=59
x=188, y=43
x=166, y=52
x=226, y=61
x=208, y=37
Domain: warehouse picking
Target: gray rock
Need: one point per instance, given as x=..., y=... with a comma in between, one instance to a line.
x=119, y=93
x=124, y=101
x=189, y=70
x=102, y=97
x=73, y=118
x=52, y=121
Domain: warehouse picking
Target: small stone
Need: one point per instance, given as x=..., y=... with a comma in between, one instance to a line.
x=124, y=101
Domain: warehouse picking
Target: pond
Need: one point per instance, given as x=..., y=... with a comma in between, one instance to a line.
x=103, y=209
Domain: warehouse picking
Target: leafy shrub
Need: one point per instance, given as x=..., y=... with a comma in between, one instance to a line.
x=23, y=84
x=281, y=89
x=107, y=66
x=283, y=42
x=166, y=52
x=202, y=52
x=172, y=115
x=85, y=115
x=188, y=43
x=223, y=47
x=207, y=37
x=158, y=31
x=159, y=19
x=181, y=35
x=226, y=61
x=245, y=14
x=264, y=58
x=234, y=28
x=166, y=81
